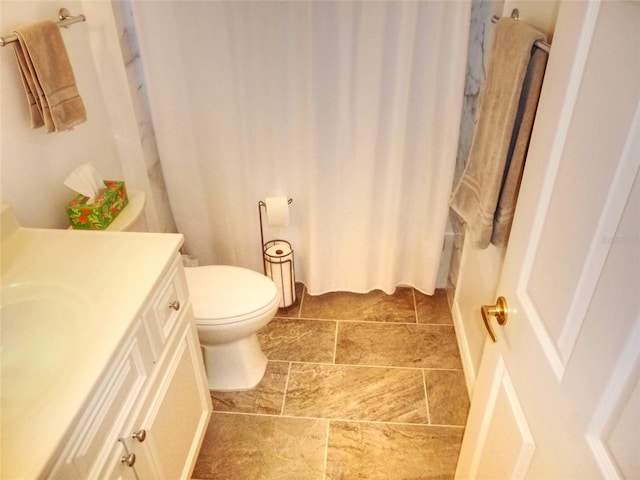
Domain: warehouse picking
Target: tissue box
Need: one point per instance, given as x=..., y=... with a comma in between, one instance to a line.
x=99, y=214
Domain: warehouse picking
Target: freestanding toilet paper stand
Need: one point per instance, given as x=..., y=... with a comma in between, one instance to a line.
x=278, y=264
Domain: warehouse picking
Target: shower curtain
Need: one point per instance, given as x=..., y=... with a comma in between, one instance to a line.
x=350, y=108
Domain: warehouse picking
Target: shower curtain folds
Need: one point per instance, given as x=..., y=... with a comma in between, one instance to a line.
x=352, y=108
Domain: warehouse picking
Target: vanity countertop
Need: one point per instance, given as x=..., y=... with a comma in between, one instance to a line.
x=104, y=278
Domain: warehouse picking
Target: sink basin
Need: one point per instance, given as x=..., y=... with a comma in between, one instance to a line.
x=42, y=329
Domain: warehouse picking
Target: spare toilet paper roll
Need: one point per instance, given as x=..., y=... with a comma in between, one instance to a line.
x=277, y=211
x=278, y=261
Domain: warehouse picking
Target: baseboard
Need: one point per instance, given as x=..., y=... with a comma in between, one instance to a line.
x=463, y=347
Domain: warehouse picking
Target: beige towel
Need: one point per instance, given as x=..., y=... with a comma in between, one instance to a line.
x=475, y=198
x=519, y=145
x=48, y=78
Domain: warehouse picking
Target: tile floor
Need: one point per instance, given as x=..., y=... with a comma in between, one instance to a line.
x=357, y=387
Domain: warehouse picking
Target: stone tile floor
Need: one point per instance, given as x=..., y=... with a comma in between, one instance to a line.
x=358, y=386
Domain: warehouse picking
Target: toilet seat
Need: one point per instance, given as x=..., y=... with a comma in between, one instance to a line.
x=222, y=294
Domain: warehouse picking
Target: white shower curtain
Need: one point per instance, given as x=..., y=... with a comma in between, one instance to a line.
x=350, y=108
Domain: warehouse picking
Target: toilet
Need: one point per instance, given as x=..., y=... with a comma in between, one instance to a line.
x=230, y=304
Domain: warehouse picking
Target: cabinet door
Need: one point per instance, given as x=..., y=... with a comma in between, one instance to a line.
x=117, y=469
x=176, y=417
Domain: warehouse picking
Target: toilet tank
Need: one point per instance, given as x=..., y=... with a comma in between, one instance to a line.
x=131, y=218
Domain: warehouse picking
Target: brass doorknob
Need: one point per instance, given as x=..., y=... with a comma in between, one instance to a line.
x=499, y=310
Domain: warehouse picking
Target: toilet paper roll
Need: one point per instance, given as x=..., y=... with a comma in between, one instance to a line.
x=278, y=262
x=277, y=211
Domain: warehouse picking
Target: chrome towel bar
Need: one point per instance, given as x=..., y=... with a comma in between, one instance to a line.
x=65, y=17
x=515, y=14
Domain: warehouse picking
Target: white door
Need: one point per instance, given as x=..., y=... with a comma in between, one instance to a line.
x=558, y=395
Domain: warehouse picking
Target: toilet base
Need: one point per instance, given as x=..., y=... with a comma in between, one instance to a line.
x=233, y=366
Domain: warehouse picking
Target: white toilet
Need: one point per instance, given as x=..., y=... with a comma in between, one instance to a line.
x=230, y=304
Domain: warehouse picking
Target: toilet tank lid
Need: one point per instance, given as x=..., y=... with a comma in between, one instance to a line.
x=225, y=292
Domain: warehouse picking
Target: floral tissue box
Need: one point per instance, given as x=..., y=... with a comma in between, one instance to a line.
x=99, y=214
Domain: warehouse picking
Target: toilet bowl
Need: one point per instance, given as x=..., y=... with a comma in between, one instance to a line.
x=230, y=304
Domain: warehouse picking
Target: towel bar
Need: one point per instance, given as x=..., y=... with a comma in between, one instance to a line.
x=65, y=17
x=515, y=14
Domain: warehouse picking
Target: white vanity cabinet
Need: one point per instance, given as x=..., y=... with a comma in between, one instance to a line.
x=148, y=416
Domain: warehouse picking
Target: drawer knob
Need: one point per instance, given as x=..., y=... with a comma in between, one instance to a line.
x=129, y=460
x=175, y=305
x=140, y=435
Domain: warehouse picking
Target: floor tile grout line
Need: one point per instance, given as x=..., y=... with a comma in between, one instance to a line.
x=335, y=343
x=415, y=304
x=426, y=396
x=304, y=289
x=345, y=420
x=399, y=367
x=358, y=320
x=326, y=450
x=286, y=387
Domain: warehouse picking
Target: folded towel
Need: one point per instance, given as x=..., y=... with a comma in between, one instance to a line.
x=48, y=78
x=519, y=145
x=475, y=198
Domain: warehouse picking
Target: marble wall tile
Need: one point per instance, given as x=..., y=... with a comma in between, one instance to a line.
x=422, y=346
x=478, y=56
x=434, y=308
x=447, y=397
x=375, y=306
x=356, y=393
x=267, y=397
x=387, y=451
x=299, y=340
x=123, y=16
x=240, y=446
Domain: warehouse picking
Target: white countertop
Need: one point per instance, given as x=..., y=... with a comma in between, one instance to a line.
x=112, y=274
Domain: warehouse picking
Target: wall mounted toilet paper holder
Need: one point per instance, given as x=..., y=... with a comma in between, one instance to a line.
x=278, y=263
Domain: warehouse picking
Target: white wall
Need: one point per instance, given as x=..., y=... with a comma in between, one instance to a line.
x=34, y=164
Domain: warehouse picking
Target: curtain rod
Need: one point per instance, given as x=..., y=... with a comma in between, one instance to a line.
x=515, y=14
x=65, y=17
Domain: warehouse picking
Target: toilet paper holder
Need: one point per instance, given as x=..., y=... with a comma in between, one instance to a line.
x=278, y=263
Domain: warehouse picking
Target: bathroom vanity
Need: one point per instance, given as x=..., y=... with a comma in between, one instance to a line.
x=102, y=374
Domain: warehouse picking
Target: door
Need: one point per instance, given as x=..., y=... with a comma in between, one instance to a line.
x=558, y=393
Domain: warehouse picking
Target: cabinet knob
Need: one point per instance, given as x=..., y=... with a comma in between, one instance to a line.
x=129, y=460
x=175, y=305
x=140, y=435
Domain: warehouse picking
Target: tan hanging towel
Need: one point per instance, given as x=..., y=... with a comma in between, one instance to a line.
x=48, y=78
x=503, y=112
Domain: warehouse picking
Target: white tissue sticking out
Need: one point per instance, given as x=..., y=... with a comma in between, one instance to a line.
x=86, y=181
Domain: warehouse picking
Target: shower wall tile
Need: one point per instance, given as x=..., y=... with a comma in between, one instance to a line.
x=356, y=393
x=133, y=66
x=406, y=345
x=375, y=306
x=478, y=57
x=388, y=451
x=266, y=398
x=299, y=340
x=240, y=446
x=447, y=397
